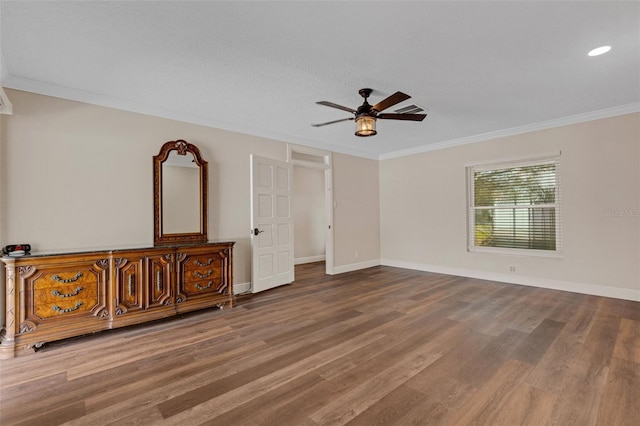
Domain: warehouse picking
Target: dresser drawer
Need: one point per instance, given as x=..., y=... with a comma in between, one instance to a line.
x=75, y=277
x=202, y=263
x=213, y=285
x=212, y=272
x=65, y=299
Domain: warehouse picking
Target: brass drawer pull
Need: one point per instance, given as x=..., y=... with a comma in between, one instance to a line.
x=130, y=287
x=68, y=280
x=197, y=262
x=201, y=275
x=199, y=287
x=73, y=293
x=64, y=311
x=158, y=281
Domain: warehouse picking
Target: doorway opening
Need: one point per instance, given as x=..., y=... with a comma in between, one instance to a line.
x=313, y=205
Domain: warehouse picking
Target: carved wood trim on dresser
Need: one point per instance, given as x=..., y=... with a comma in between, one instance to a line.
x=57, y=296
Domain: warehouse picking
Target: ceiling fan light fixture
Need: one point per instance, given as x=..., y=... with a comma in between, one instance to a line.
x=365, y=125
x=366, y=115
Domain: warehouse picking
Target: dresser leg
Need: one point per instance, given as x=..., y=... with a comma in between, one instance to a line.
x=7, y=339
x=7, y=349
x=226, y=305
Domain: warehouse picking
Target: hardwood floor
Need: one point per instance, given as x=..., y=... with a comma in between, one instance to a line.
x=382, y=346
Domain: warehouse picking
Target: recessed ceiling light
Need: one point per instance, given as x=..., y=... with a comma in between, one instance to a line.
x=599, y=50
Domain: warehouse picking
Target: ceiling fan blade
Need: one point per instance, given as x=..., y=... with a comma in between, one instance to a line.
x=332, y=105
x=396, y=98
x=410, y=117
x=331, y=122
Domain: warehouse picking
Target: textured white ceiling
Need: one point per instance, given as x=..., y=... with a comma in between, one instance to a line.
x=259, y=67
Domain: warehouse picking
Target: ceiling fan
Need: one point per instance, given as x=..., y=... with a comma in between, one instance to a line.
x=366, y=115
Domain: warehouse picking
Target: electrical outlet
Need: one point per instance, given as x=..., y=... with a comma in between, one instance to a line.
x=512, y=268
x=356, y=254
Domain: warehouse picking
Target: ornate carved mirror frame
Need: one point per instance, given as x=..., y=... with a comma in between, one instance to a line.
x=159, y=237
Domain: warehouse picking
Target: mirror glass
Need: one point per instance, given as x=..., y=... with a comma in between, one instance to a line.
x=180, y=177
x=180, y=194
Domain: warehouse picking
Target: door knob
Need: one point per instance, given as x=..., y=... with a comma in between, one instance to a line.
x=257, y=231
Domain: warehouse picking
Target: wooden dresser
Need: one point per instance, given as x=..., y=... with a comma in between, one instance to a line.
x=55, y=296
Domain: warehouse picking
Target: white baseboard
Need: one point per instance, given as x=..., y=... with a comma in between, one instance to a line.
x=572, y=286
x=355, y=266
x=309, y=259
x=240, y=288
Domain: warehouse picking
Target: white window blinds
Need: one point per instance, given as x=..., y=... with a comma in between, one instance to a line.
x=515, y=207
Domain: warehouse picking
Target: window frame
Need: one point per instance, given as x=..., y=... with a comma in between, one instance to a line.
x=470, y=170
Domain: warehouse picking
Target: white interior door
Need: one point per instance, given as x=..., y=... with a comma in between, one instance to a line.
x=271, y=224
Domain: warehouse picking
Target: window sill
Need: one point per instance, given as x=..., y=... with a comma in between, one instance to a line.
x=517, y=252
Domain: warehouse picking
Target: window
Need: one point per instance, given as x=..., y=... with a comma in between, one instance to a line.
x=514, y=207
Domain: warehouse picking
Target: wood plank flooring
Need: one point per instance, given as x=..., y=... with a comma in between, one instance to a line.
x=381, y=346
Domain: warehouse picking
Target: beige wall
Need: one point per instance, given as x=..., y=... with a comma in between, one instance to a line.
x=423, y=208
x=356, y=241
x=308, y=212
x=78, y=176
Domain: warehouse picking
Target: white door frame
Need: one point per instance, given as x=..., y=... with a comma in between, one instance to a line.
x=318, y=159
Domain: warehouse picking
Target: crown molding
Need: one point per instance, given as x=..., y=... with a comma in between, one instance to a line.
x=43, y=88
x=5, y=104
x=549, y=124
x=48, y=89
